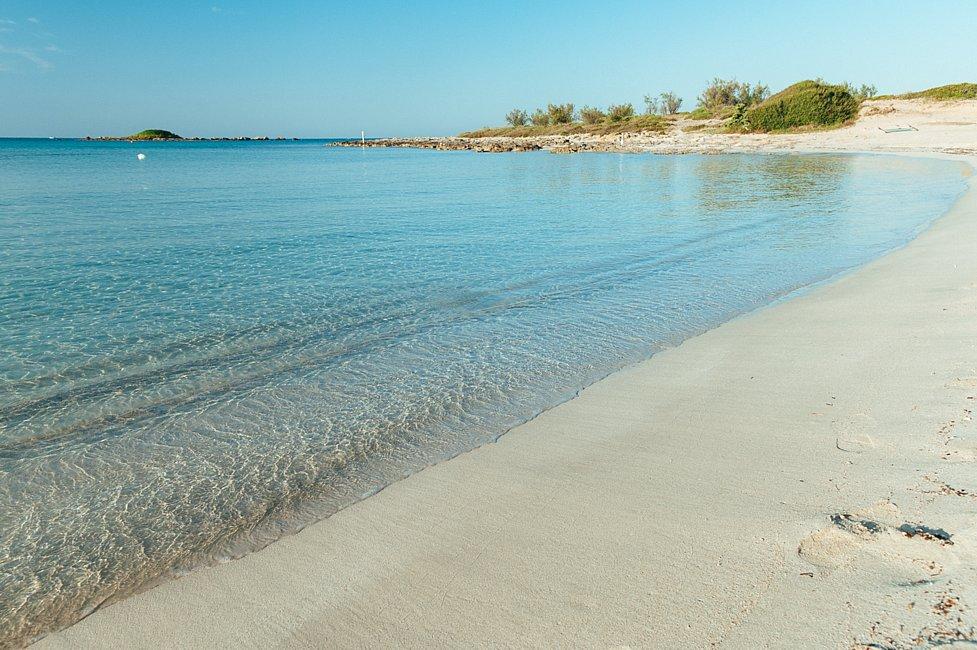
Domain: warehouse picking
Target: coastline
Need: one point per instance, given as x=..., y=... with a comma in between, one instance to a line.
x=619, y=479
x=942, y=126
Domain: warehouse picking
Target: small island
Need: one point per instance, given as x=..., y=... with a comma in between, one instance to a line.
x=154, y=134
x=162, y=135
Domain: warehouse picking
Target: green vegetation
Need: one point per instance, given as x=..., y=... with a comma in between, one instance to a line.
x=562, y=119
x=620, y=112
x=670, y=103
x=722, y=96
x=517, y=117
x=861, y=93
x=664, y=104
x=154, y=134
x=807, y=104
x=947, y=93
x=634, y=123
x=699, y=113
x=590, y=115
x=743, y=107
x=540, y=118
x=560, y=113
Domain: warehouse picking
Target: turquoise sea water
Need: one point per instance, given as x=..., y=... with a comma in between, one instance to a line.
x=217, y=345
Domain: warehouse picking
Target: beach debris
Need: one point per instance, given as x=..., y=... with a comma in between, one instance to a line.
x=899, y=128
x=926, y=532
x=140, y=156
x=867, y=527
x=855, y=525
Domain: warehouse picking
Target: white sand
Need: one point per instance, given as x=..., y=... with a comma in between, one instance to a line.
x=685, y=501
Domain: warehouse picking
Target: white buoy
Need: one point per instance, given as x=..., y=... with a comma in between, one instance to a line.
x=141, y=156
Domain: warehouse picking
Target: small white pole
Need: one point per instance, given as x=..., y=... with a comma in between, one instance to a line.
x=362, y=138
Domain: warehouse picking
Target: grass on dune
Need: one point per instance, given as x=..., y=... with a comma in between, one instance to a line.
x=950, y=92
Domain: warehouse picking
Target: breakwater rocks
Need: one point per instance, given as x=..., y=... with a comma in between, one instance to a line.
x=243, y=138
x=503, y=144
x=482, y=145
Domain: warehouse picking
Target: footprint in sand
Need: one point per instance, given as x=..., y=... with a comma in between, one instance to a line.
x=854, y=432
x=879, y=542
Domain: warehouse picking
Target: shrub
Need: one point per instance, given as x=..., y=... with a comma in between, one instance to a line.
x=540, y=118
x=860, y=92
x=670, y=103
x=700, y=113
x=560, y=113
x=517, y=117
x=590, y=115
x=719, y=93
x=752, y=95
x=620, y=112
x=728, y=93
x=738, y=120
x=807, y=103
x=652, y=106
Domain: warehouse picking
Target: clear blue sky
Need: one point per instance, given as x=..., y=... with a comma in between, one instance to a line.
x=410, y=68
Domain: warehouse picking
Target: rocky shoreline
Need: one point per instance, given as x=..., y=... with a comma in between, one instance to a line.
x=485, y=145
x=950, y=124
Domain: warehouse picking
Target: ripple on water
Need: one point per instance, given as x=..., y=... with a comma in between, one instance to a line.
x=213, y=348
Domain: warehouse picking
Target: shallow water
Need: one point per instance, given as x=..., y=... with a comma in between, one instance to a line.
x=204, y=350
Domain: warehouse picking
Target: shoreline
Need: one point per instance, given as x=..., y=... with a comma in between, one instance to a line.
x=307, y=580
x=943, y=123
x=289, y=605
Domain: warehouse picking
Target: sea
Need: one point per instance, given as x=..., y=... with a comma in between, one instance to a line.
x=223, y=342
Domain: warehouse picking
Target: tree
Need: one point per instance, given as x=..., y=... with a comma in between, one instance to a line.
x=670, y=103
x=517, y=117
x=862, y=92
x=750, y=96
x=590, y=115
x=560, y=113
x=728, y=93
x=620, y=112
x=652, y=106
x=540, y=118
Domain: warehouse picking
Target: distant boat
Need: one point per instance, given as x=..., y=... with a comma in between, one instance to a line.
x=140, y=156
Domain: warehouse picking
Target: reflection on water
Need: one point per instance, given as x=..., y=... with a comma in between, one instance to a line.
x=203, y=352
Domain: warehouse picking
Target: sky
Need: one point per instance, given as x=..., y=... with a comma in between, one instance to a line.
x=322, y=69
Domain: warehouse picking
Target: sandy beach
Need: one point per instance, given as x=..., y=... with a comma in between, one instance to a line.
x=802, y=476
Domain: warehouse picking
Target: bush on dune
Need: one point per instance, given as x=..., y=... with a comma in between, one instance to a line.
x=590, y=115
x=560, y=113
x=805, y=104
x=721, y=96
x=517, y=117
x=620, y=112
x=540, y=118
